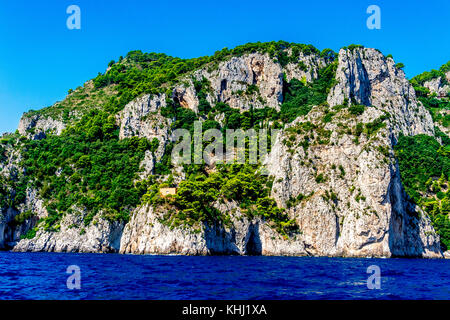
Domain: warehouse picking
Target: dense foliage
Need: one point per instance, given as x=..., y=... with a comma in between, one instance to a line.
x=86, y=167
x=4, y=194
x=300, y=97
x=425, y=169
x=13, y=186
x=439, y=107
x=89, y=169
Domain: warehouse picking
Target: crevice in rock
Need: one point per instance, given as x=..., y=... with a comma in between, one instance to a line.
x=253, y=246
x=338, y=229
x=223, y=85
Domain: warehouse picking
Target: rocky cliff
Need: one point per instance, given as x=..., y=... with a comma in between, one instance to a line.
x=334, y=169
x=439, y=85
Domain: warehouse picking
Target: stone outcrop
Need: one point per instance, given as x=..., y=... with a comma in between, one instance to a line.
x=366, y=77
x=145, y=234
x=186, y=96
x=359, y=210
x=142, y=118
x=370, y=214
x=101, y=236
x=255, y=80
x=36, y=126
x=439, y=86
x=306, y=68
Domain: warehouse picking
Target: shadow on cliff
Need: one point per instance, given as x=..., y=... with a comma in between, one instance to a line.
x=221, y=241
x=13, y=230
x=406, y=237
x=253, y=246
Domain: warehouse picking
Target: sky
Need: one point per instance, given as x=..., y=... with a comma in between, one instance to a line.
x=41, y=59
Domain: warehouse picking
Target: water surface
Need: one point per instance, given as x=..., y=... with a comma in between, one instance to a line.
x=114, y=276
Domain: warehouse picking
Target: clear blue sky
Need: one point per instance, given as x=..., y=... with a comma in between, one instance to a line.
x=40, y=59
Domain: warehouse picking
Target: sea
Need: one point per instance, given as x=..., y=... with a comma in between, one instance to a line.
x=71, y=276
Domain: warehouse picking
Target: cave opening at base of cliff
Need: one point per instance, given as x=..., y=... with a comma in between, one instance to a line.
x=253, y=246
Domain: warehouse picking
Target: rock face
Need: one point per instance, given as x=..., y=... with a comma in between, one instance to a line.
x=439, y=86
x=142, y=118
x=254, y=80
x=230, y=82
x=344, y=189
x=367, y=77
x=447, y=254
x=307, y=67
x=36, y=127
x=101, y=236
x=369, y=213
x=145, y=234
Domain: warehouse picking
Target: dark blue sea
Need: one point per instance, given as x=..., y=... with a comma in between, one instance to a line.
x=113, y=276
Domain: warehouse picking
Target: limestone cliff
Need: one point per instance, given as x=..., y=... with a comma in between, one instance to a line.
x=342, y=188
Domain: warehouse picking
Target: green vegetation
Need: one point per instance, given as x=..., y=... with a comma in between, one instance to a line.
x=420, y=79
x=352, y=47
x=153, y=73
x=299, y=98
x=292, y=202
x=357, y=109
x=30, y=234
x=320, y=178
x=342, y=172
x=157, y=73
x=12, y=188
x=86, y=167
x=371, y=128
x=22, y=217
x=2, y=153
x=439, y=108
x=328, y=116
x=196, y=196
x=425, y=169
x=5, y=194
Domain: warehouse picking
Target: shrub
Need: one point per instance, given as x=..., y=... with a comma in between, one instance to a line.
x=356, y=110
x=320, y=178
